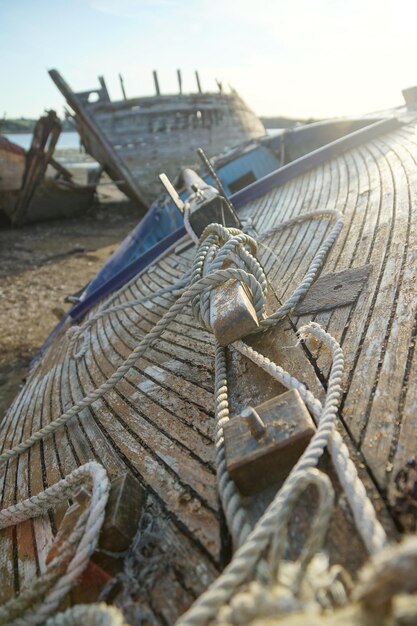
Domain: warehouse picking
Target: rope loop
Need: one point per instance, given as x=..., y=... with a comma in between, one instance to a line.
x=221, y=249
x=35, y=604
x=318, y=528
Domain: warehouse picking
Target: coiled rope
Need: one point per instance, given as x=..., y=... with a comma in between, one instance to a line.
x=218, y=247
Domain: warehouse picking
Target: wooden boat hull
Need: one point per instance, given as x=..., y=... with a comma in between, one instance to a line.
x=49, y=198
x=59, y=199
x=157, y=423
x=12, y=167
x=136, y=139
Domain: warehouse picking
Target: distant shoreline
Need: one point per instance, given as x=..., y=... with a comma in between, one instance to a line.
x=26, y=125
x=19, y=126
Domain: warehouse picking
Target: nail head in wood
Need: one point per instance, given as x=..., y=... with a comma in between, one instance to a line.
x=232, y=315
x=256, y=459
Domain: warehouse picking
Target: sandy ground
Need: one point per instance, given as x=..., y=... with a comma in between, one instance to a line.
x=40, y=264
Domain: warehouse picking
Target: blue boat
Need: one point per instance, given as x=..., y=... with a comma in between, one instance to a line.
x=237, y=169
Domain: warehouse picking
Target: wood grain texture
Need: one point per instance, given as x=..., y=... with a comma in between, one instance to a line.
x=157, y=423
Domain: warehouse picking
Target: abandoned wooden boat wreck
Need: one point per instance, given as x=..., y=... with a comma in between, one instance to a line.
x=27, y=193
x=136, y=138
x=205, y=389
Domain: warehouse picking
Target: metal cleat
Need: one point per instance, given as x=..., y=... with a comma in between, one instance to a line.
x=263, y=444
x=207, y=205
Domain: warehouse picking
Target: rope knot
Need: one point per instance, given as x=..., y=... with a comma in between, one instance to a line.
x=78, y=341
x=226, y=254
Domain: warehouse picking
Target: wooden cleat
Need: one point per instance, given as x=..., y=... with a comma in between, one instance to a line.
x=123, y=511
x=263, y=444
x=232, y=315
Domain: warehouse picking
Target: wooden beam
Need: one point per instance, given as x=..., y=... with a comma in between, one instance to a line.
x=44, y=139
x=155, y=80
x=122, y=86
x=62, y=171
x=94, y=136
x=197, y=77
x=104, y=90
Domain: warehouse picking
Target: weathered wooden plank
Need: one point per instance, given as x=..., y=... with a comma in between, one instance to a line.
x=334, y=290
x=400, y=278
x=97, y=141
x=158, y=422
x=182, y=503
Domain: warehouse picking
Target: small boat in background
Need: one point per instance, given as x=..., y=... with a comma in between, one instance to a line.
x=136, y=138
x=27, y=192
x=12, y=167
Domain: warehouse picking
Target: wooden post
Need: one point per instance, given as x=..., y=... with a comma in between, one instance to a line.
x=123, y=511
x=197, y=77
x=122, y=86
x=91, y=131
x=45, y=137
x=155, y=80
x=179, y=81
x=105, y=93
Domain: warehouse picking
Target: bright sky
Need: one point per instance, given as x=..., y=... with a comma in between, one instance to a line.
x=297, y=58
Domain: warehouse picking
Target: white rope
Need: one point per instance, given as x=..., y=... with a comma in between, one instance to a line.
x=217, y=246
x=35, y=605
x=370, y=529
x=88, y=615
x=318, y=527
x=315, y=265
x=291, y=585
x=235, y=513
x=77, y=333
x=248, y=554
